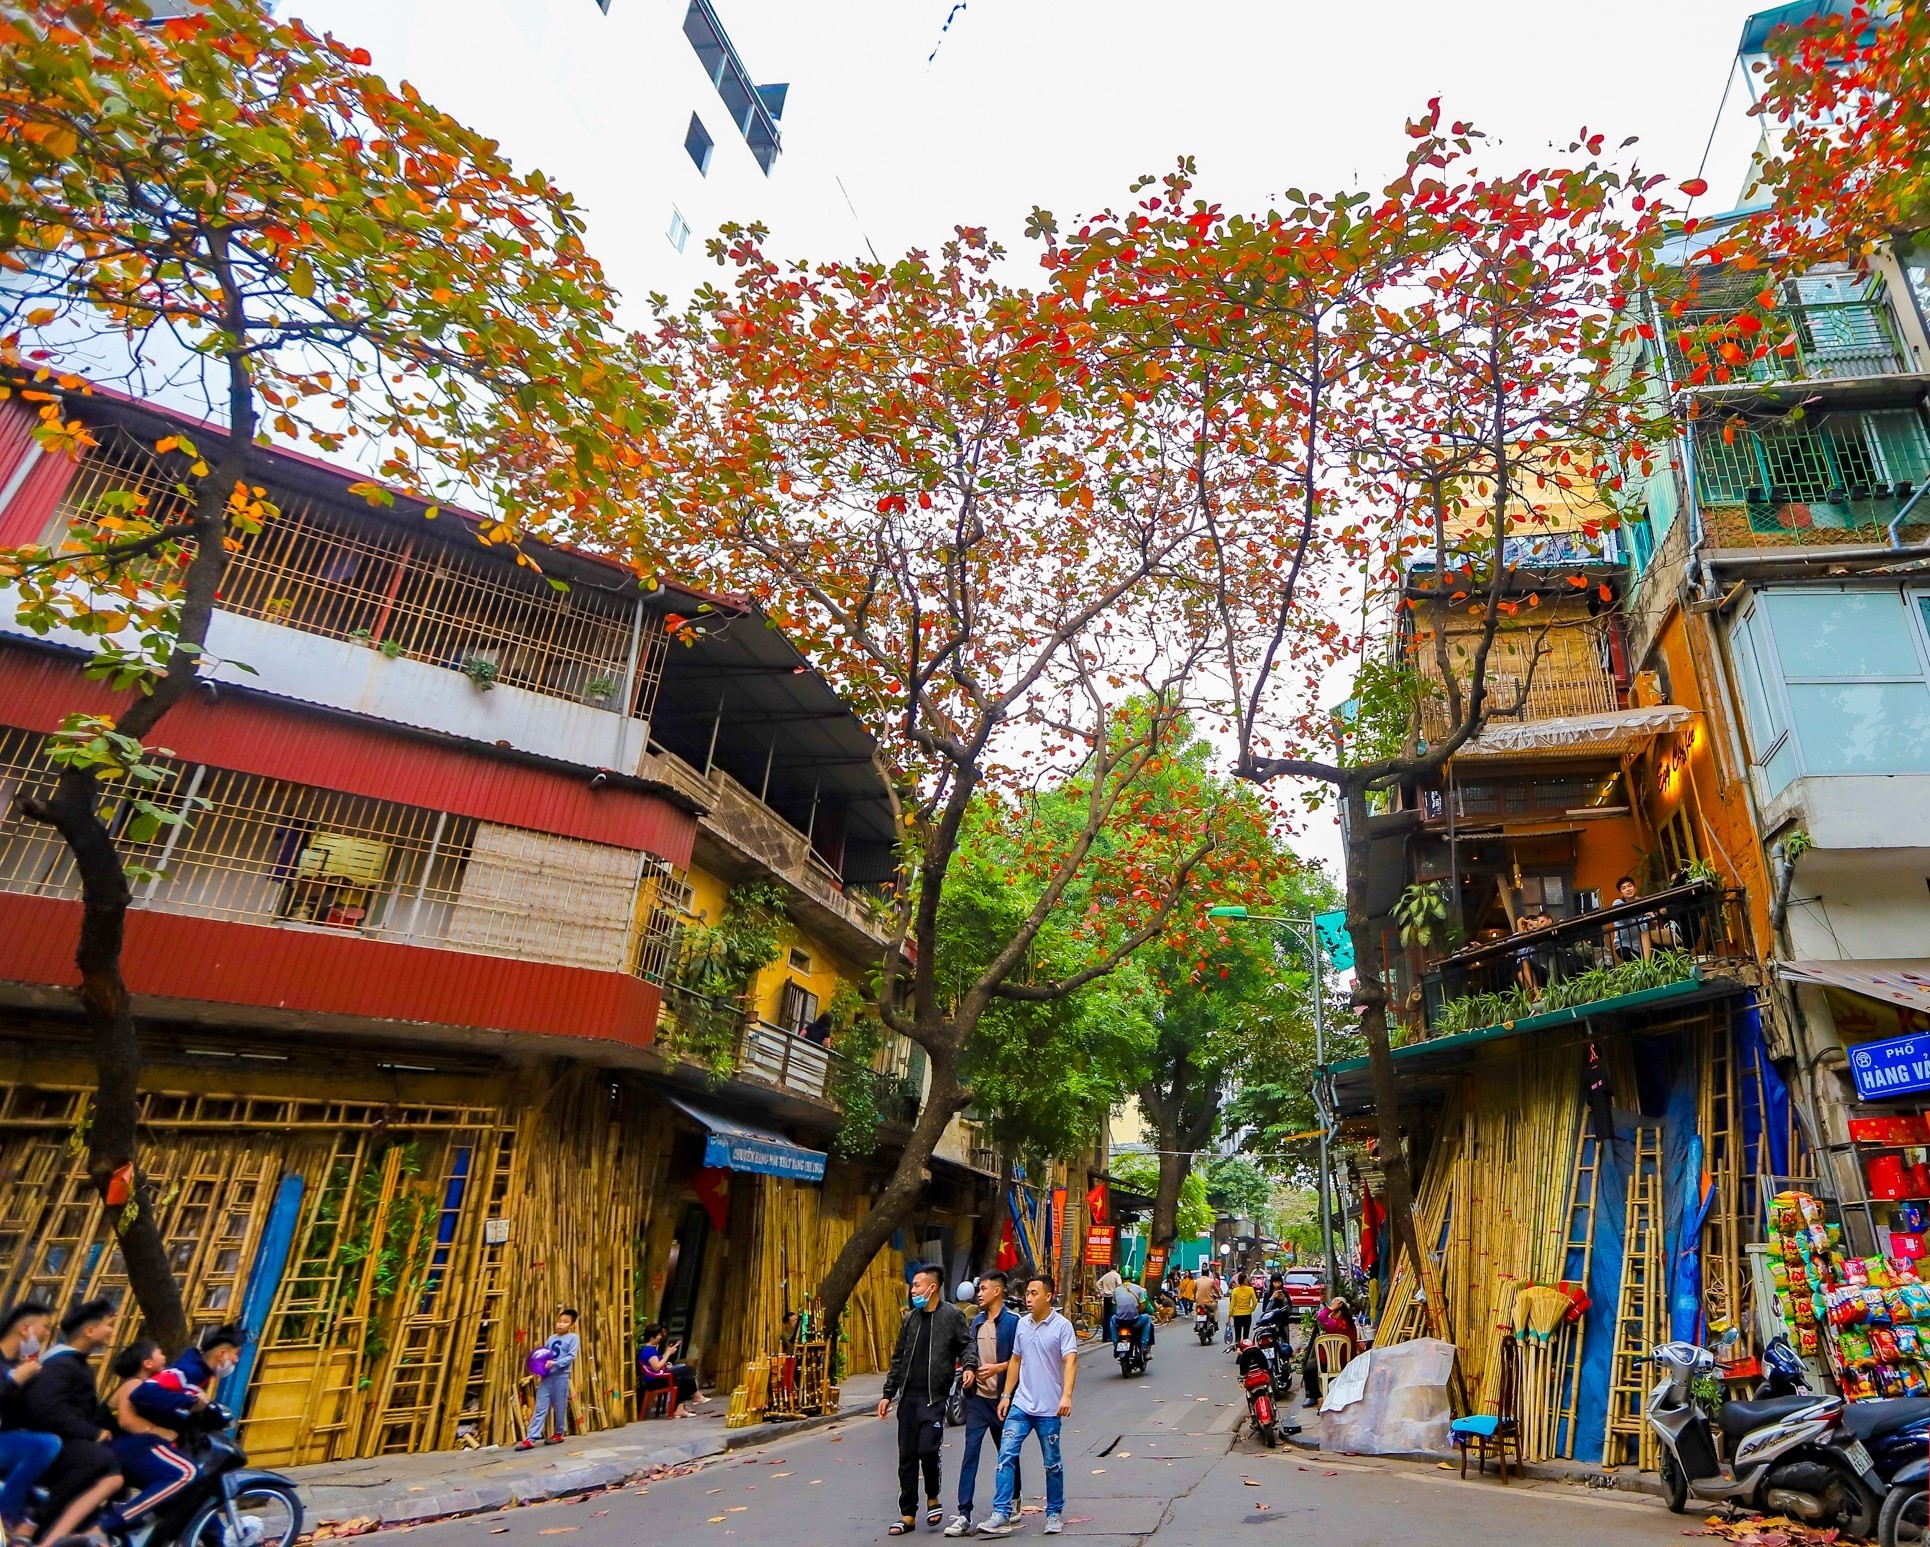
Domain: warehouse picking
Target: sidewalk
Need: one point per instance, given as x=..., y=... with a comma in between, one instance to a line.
x=408, y=1490
x=1585, y=1474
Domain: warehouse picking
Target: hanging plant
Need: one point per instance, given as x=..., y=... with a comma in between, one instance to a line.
x=1420, y=911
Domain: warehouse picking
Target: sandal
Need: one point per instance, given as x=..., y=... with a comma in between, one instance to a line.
x=934, y=1513
x=902, y=1527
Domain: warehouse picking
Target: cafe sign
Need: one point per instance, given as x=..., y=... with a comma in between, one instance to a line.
x=1899, y=1066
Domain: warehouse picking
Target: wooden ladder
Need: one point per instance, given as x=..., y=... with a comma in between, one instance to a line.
x=1577, y=1258
x=1722, y=1144
x=1638, y=1307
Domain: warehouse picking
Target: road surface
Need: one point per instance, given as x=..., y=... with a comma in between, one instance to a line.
x=1150, y=1460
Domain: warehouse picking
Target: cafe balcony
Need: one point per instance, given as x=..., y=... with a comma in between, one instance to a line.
x=1630, y=952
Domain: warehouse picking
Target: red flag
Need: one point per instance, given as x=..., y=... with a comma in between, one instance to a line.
x=1096, y=1204
x=1372, y=1215
x=1008, y=1257
x=712, y=1186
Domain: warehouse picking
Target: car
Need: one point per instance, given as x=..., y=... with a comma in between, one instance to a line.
x=1306, y=1288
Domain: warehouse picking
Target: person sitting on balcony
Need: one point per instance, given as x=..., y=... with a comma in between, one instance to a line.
x=1631, y=937
x=1528, y=971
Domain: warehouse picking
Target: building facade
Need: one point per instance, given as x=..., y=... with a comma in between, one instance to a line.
x=435, y=1040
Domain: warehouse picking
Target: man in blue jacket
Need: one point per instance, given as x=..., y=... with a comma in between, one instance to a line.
x=992, y=1329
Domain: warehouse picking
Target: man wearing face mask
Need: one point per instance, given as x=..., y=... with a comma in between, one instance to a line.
x=24, y=1454
x=933, y=1341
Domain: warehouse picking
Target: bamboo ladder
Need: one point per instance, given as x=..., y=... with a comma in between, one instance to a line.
x=1577, y=1261
x=1638, y=1311
x=1722, y=1144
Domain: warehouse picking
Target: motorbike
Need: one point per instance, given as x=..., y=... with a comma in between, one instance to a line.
x=229, y=1503
x=1129, y=1349
x=1265, y=1363
x=1794, y=1454
x=1896, y=1430
x=1206, y=1323
x=1901, y=1520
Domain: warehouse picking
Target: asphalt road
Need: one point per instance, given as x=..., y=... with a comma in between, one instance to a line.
x=1154, y=1459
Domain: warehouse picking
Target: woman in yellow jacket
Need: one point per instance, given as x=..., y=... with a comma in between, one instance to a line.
x=1245, y=1301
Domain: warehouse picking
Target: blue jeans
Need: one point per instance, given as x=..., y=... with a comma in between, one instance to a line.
x=24, y=1455
x=981, y=1419
x=1011, y=1442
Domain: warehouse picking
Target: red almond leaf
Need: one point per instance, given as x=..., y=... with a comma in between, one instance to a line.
x=1696, y=187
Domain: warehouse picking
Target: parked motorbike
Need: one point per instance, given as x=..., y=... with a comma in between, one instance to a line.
x=1901, y=1522
x=1794, y=1455
x=1206, y=1323
x=1265, y=1363
x=1129, y=1349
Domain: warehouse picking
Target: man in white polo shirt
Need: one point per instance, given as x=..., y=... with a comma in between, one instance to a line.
x=1038, y=1399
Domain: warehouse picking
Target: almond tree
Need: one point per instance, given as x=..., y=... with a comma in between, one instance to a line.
x=936, y=485
x=1381, y=353
x=231, y=211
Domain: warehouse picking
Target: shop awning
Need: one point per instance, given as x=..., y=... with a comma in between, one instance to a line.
x=737, y=1146
x=1901, y=982
x=1575, y=735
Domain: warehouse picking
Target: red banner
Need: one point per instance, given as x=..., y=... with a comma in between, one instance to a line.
x=1099, y=1242
x=1058, y=1218
x=1155, y=1266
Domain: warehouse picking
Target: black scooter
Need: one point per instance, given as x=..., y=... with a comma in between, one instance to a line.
x=1896, y=1431
x=1129, y=1348
x=229, y=1504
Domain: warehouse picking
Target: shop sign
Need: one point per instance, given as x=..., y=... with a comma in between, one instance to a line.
x=1899, y=1066
x=1099, y=1246
x=1155, y=1265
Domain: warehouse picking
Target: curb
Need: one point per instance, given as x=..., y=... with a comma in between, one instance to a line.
x=1578, y=1474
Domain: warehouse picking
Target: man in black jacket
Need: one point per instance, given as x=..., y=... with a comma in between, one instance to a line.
x=933, y=1340
x=62, y=1400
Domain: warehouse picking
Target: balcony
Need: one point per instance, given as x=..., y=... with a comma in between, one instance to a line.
x=1631, y=948
x=1810, y=341
x=1841, y=477
x=1571, y=677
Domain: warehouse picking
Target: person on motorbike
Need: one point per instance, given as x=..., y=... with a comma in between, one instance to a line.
x=62, y=1401
x=1129, y=1306
x=145, y=1444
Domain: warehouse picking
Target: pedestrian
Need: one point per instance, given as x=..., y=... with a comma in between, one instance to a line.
x=62, y=1400
x=992, y=1330
x=932, y=1342
x=1038, y=1399
x=1245, y=1299
x=1187, y=1284
x=551, y=1364
x=1108, y=1287
x=25, y=1455
x=1226, y=1308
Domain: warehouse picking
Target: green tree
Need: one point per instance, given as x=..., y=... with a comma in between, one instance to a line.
x=237, y=208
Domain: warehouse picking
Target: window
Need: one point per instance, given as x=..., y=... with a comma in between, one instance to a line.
x=679, y=232
x=800, y=960
x=1849, y=681
x=1761, y=704
x=797, y=1007
x=698, y=142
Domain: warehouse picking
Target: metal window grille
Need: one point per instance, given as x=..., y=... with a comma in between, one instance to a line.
x=1840, y=472
x=663, y=903
x=267, y=851
x=322, y=571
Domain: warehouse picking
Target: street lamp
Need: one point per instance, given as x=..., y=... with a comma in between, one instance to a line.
x=1311, y=940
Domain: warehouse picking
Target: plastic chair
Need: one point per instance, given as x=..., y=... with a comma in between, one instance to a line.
x=1494, y=1431
x=1331, y=1353
x=659, y=1393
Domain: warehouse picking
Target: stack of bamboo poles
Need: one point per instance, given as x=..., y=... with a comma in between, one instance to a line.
x=1493, y=1209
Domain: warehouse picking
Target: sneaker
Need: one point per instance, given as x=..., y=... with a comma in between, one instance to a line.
x=526, y=1444
x=997, y=1525
x=1054, y=1524
x=959, y=1525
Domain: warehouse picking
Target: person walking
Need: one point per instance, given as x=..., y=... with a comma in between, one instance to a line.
x=1108, y=1288
x=992, y=1329
x=1245, y=1299
x=25, y=1455
x=932, y=1342
x=1039, y=1379
x=551, y=1365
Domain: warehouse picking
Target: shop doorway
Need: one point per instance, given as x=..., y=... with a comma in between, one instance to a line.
x=684, y=1271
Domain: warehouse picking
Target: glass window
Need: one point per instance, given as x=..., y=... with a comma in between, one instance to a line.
x=1855, y=680
x=1843, y=634
x=698, y=142
x=703, y=38
x=1866, y=727
x=679, y=232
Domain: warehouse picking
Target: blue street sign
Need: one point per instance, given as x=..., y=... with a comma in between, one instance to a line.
x=1895, y=1067
x=1334, y=939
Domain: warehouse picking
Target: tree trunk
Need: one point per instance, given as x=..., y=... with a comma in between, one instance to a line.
x=1173, y=1170
x=112, y=1135
x=943, y=1099
x=1370, y=997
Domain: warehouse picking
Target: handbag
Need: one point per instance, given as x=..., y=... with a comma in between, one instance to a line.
x=955, y=1402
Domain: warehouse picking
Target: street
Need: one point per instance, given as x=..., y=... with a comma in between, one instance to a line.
x=1153, y=1459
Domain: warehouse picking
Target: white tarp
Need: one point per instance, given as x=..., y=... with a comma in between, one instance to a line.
x=1614, y=731
x=1901, y=982
x=1392, y=1401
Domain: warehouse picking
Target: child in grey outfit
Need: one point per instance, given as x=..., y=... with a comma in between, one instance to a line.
x=553, y=1386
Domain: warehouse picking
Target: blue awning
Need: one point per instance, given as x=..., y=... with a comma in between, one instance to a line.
x=736, y=1146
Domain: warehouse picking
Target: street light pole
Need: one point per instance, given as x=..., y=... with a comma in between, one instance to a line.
x=1311, y=940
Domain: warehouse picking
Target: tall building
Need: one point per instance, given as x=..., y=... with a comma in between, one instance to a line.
x=645, y=110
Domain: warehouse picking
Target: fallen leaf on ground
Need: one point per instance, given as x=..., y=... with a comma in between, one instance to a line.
x=715, y=1520
x=1249, y=1482
x=1098, y=1471
x=555, y=1530
x=1439, y=1466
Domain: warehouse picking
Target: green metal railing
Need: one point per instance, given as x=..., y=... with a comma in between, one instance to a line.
x=1836, y=472
x=1814, y=341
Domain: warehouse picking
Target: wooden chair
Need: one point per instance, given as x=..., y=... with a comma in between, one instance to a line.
x=1331, y=1353
x=1497, y=1430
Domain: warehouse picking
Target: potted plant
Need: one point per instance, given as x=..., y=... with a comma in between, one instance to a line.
x=482, y=671
x=600, y=689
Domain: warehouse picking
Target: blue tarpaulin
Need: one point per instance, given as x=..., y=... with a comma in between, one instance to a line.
x=735, y=1146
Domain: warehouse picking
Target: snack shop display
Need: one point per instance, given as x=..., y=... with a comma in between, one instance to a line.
x=1870, y=1316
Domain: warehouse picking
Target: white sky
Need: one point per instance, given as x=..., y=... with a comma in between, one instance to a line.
x=1061, y=103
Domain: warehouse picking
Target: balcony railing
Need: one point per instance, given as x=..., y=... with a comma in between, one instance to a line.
x=1847, y=473
x=271, y=852
x=1613, y=951
x=785, y=1061
x=1814, y=341
x=373, y=582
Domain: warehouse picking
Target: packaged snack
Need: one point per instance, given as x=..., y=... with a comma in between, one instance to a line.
x=1877, y=1312
x=1909, y=1340
x=1812, y=1210
x=1856, y=1385
x=1854, y=1347
x=1914, y=1385
x=1898, y=1305
x=1877, y=1271
x=1883, y=1344
x=1855, y=1273
x=1917, y=1297
x=1913, y=1217
x=1888, y=1380
x=1806, y=1341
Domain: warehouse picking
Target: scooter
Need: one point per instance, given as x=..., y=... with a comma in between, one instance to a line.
x=1129, y=1349
x=1206, y=1323
x=1897, y=1432
x=1256, y=1378
x=1902, y=1520
x=1793, y=1454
